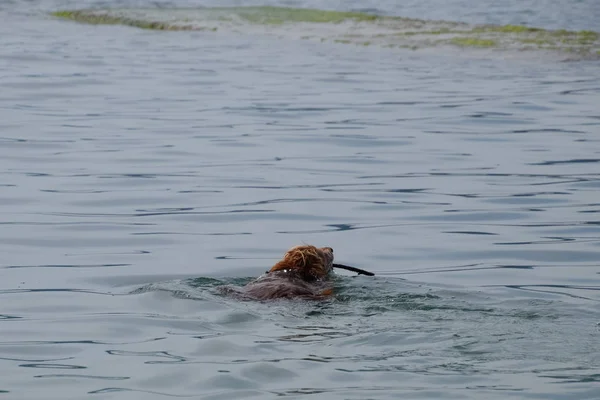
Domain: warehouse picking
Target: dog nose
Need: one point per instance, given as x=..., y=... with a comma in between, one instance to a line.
x=329, y=248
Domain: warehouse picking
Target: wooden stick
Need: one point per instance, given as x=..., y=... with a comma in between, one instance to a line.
x=353, y=269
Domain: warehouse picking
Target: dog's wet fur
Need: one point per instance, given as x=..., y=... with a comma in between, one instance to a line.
x=303, y=273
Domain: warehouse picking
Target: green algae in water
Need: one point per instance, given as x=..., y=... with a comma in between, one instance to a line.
x=279, y=15
x=562, y=39
x=473, y=42
x=507, y=29
x=257, y=15
x=348, y=27
x=90, y=17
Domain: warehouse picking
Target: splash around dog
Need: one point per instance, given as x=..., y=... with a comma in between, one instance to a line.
x=304, y=272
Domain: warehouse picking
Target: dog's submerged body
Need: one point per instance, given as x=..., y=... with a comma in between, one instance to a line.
x=302, y=273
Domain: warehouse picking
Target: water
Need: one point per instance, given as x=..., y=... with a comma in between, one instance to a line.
x=139, y=170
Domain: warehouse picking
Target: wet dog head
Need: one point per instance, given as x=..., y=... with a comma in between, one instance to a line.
x=308, y=262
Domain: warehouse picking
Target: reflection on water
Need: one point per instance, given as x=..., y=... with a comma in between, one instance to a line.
x=141, y=170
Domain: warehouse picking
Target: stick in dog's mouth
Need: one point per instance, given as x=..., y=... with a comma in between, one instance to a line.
x=353, y=269
x=349, y=268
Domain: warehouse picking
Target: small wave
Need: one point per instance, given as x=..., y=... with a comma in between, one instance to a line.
x=359, y=297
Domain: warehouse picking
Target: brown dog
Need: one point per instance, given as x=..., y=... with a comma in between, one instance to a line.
x=302, y=273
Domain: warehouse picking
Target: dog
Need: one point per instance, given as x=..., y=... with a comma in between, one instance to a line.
x=303, y=273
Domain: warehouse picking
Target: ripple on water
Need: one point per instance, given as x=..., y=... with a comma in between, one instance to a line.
x=141, y=170
x=384, y=326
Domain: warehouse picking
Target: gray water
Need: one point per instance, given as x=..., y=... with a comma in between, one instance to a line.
x=140, y=170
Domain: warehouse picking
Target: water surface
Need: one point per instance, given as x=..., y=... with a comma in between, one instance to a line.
x=140, y=169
